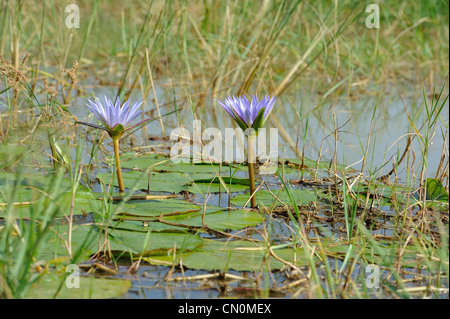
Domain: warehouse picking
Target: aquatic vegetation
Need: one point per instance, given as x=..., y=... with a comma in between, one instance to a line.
x=250, y=116
x=116, y=119
x=357, y=203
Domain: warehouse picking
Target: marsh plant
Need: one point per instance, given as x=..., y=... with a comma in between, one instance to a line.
x=250, y=116
x=116, y=119
x=362, y=178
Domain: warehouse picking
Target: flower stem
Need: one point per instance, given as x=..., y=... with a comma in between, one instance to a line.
x=251, y=171
x=119, y=170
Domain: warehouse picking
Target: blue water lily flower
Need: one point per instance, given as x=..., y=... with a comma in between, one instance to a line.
x=249, y=114
x=115, y=117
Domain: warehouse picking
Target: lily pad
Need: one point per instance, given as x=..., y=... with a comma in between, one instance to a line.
x=138, y=243
x=27, y=198
x=34, y=180
x=435, y=190
x=89, y=288
x=89, y=238
x=84, y=241
x=215, y=185
x=175, y=182
x=264, y=197
x=158, y=207
x=161, y=163
x=221, y=220
x=236, y=255
x=382, y=194
x=385, y=253
x=308, y=164
x=171, y=182
x=176, y=211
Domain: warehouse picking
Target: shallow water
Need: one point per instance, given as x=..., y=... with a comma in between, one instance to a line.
x=388, y=136
x=387, y=139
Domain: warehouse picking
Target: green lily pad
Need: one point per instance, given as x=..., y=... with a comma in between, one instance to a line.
x=27, y=197
x=157, y=207
x=138, y=243
x=175, y=182
x=89, y=288
x=88, y=238
x=221, y=220
x=34, y=180
x=435, y=190
x=224, y=179
x=385, y=253
x=152, y=226
x=215, y=218
x=185, y=214
x=171, y=182
x=382, y=194
x=84, y=240
x=264, y=197
x=236, y=255
x=293, y=165
x=215, y=185
x=161, y=163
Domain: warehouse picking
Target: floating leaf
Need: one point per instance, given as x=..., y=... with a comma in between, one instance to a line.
x=172, y=182
x=227, y=180
x=236, y=255
x=32, y=190
x=85, y=239
x=89, y=288
x=264, y=197
x=435, y=190
x=158, y=207
x=175, y=182
x=221, y=220
x=215, y=185
x=382, y=194
x=161, y=163
x=135, y=242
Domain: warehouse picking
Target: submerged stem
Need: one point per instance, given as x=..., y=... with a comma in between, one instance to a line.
x=251, y=171
x=119, y=170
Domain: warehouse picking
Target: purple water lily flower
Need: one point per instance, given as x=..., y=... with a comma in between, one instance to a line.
x=116, y=119
x=114, y=116
x=249, y=114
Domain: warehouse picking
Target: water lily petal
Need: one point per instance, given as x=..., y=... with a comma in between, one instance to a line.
x=114, y=116
x=246, y=112
x=123, y=113
x=133, y=112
